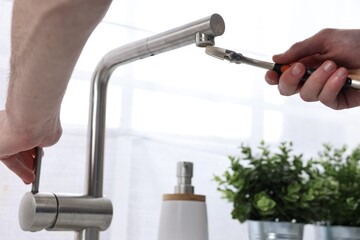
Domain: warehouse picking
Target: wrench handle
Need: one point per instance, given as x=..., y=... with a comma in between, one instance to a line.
x=281, y=68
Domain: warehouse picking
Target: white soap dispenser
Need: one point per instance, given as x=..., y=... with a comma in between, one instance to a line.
x=183, y=213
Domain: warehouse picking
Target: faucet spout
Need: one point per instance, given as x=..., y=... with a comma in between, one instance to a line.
x=208, y=27
x=202, y=32
x=91, y=213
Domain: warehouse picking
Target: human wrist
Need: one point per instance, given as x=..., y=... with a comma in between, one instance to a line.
x=33, y=131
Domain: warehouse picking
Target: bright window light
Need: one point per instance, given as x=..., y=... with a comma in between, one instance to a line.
x=75, y=107
x=170, y=113
x=273, y=125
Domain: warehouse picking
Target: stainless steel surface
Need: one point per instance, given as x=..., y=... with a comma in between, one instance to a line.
x=38, y=156
x=203, y=40
x=355, y=84
x=211, y=26
x=184, y=175
x=238, y=58
x=337, y=233
x=216, y=52
x=37, y=211
x=55, y=212
x=264, y=230
x=89, y=233
x=78, y=212
x=256, y=62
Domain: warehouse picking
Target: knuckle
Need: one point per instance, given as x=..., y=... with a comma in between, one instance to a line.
x=295, y=46
x=325, y=32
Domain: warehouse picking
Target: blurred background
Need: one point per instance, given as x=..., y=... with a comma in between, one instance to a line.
x=181, y=106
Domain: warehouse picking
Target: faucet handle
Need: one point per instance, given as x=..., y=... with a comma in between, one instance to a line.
x=37, y=211
x=38, y=157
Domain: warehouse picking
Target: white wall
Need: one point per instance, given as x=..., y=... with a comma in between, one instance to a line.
x=181, y=106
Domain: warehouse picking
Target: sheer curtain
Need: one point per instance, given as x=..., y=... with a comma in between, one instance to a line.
x=181, y=106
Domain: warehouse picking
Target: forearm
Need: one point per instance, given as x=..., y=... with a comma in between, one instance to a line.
x=47, y=39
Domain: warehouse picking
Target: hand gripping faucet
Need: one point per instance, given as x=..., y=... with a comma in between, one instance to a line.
x=91, y=213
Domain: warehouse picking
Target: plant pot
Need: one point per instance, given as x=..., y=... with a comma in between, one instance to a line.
x=266, y=230
x=337, y=233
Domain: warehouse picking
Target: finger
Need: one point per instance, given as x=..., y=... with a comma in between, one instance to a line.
x=271, y=77
x=329, y=95
x=290, y=80
x=313, y=86
x=28, y=158
x=17, y=165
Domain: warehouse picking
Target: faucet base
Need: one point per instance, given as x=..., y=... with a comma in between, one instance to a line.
x=55, y=212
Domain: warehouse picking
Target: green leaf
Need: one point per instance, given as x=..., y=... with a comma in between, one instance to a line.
x=264, y=203
x=266, y=183
x=241, y=212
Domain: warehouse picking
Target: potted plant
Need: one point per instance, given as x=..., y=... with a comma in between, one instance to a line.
x=270, y=190
x=337, y=203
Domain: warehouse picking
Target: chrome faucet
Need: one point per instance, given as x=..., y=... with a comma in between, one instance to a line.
x=91, y=213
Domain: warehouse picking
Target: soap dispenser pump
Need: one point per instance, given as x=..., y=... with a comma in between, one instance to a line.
x=183, y=213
